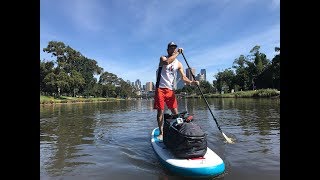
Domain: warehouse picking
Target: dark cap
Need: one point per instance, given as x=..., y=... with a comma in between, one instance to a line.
x=172, y=44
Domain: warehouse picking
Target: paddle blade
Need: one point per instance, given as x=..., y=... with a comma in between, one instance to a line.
x=228, y=139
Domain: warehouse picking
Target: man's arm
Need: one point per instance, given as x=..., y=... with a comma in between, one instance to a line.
x=170, y=59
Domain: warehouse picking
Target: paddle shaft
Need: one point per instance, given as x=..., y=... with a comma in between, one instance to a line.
x=202, y=93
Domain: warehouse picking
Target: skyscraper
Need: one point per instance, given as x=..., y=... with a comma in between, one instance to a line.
x=138, y=84
x=203, y=71
x=149, y=86
x=180, y=82
x=200, y=77
x=189, y=75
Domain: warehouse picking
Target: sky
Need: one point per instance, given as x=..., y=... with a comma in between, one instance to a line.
x=127, y=37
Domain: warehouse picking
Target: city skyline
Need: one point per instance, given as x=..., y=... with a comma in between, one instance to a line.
x=177, y=82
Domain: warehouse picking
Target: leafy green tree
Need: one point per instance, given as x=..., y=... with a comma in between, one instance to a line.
x=257, y=64
x=189, y=89
x=62, y=82
x=88, y=70
x=50, y=83
x=45, y=69
x=225, y=80
x=276, y=69
x=97, y=90
x=215, y=86
x=108, y=78
x=70, y=60
x=206, y=87
x=76, y=81
x=242, y=74
x=124, y=89
x=110, y=90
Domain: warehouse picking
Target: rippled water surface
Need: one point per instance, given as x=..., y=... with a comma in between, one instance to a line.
x=111, y=140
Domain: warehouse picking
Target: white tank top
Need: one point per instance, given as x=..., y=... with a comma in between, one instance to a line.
x=168, y=74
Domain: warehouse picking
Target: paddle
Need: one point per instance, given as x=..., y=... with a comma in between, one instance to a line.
x=228, y=139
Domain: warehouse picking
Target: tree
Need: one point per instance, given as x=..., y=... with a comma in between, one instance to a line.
x=70, y=61
x=257, y=64
x=225, y=80
x=108, y=78
x=62, y=82
x=276, y=69
x=45, y=69
x=76, y=81
x=206, y=87
x=124, y=89
x=50, y=83
x=242, y=74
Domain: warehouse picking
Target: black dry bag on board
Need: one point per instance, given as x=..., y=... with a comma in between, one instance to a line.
x=184, y=139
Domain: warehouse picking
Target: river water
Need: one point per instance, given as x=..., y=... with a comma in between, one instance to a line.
x=111, y=140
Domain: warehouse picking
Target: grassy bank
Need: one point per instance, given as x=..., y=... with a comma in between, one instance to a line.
x=65, y=99
x=261, y=93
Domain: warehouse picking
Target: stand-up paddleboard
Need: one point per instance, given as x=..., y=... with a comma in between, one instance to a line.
x=208, y=165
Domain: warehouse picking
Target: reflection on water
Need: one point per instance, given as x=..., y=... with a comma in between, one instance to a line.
x=111, y=139
x=64, y=129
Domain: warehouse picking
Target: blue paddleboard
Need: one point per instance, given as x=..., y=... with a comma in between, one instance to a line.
x=208, y=165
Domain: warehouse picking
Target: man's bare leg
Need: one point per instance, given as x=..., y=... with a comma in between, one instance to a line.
x=174, y=110
x=160, y=123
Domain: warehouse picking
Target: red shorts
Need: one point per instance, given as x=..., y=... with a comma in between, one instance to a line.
x=164, y=95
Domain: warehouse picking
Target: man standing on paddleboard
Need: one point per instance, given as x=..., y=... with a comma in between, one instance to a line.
x=164, y=94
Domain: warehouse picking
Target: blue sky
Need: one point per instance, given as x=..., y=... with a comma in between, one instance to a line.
x=127, y=37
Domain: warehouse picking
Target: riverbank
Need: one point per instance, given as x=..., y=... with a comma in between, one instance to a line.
x=66, y=99
x=260, y=93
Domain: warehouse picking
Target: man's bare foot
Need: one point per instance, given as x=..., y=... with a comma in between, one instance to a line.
x=160, y=137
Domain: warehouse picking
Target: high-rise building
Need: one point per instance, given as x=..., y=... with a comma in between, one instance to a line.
x=200, y=77
x=138, y=84
x=180, y=82
x=189, y=75
x=203, y=71
x=149, y=86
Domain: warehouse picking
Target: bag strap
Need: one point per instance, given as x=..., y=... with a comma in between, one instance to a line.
x=158, y=76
